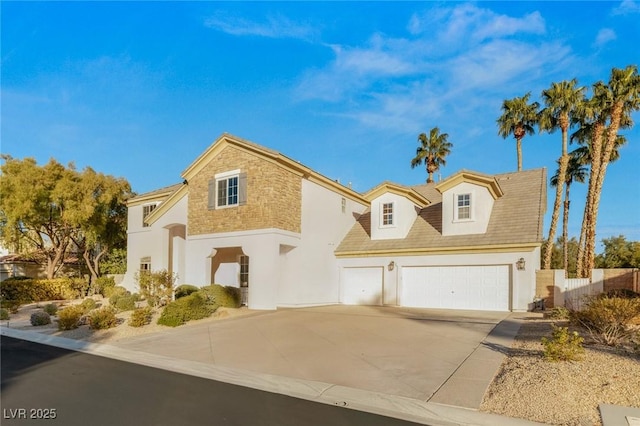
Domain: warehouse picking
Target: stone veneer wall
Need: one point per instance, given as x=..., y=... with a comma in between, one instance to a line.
x=274, y=196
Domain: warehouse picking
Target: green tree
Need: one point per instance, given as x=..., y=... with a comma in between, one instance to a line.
x=518, y=119
x=612, y=103
x=432, y=151
x=576, y=172
x=561, y=102
x=53, y=209
x=557, y=256
x=619, y=253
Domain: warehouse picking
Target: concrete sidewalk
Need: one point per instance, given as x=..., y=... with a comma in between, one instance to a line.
x=410, y=364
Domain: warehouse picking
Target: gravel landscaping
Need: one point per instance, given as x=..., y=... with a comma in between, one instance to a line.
x=565, y=392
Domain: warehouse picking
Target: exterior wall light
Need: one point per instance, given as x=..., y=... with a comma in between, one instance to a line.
x=391, y=265
x=520, y=264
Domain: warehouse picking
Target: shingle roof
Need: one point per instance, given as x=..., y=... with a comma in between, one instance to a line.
x=516, y=218
x=166, y=191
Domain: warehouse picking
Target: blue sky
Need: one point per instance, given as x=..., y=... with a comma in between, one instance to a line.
x=140, y=89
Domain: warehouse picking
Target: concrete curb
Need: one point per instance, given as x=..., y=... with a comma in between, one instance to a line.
x=378, y=403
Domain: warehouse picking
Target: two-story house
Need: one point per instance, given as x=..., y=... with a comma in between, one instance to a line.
x=251, y=217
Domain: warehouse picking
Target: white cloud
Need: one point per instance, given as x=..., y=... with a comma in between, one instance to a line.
x=274, y=27
x=604, y=36
x=626, y=7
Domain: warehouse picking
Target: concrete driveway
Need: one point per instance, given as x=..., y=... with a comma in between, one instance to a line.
x=431, y=355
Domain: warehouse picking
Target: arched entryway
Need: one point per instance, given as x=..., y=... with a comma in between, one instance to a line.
x=230, y=267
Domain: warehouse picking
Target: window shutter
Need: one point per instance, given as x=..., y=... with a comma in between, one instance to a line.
x=211, y=204
x=242, y=189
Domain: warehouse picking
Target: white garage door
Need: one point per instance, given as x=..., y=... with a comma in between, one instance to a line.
x=361, y=286
x=456, y=287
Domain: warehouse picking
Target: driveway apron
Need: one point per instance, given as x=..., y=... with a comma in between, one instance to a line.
x=404, y=352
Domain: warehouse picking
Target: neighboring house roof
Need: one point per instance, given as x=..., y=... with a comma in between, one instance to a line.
x=516, y=221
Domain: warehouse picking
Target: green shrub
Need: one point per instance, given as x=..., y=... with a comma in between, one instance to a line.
x=156, y=287
x=4, y=314
x=124, y=302
x=40, y=318
x=141, y=316
x=558, y=313
x=68, y=317
x=192, y=307
x=11, y=305
x=563, y=346
x=103, y=285
x=108, y=292
x=34, y=290
x=608, y=319
x=102, y=318
x=215, y=294
x=185, y=290
x=88, y=304
x=51, y=308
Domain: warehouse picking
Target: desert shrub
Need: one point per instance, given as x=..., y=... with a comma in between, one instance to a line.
x=68, y=317
x=50, y=308
x=102, y=318
x=141, y=316
x=558, y=313
x=4, y=314
x=185, y=309
x=156, y=287
x=608, y=319
x=563, y=345
x=228, y=296
x=102, y=285
x=124, y=302
x=40, y=318
x=185, y=290
x=109, y=292
x=623, y=293
x=88, y=304
x=10, y=305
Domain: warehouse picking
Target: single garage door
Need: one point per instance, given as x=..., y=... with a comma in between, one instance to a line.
x=456, y=287
x=361, y=286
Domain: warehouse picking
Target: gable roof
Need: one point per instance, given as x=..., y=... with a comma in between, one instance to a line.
x=401, y=190
x=156, y=195
x=516, y=221
x=475, y=178
x=272, y=156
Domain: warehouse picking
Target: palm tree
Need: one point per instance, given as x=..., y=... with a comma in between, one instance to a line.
x=621, y=98
x=576, y=172
x=432, y=150
x=561, y=101
x=517, y=119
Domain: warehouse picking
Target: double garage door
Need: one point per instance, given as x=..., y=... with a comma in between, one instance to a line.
x=448, y=287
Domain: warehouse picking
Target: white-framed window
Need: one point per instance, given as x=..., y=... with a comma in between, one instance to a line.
x=386, y=216
x=227, y=189
x=244, y=270
x=344, y=205
x=146, y=211
x=145, y=265
x=463, y=207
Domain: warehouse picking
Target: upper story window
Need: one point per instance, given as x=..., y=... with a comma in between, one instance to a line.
x=387, y=214
x=227, y=189
x=146, y=211
x=344, y=205
x=463, y=210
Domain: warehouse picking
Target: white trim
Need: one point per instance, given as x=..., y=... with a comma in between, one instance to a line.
x=249, y=233
x=226, y=174
x=381, y=225
x=226, y=178
x=456, y=208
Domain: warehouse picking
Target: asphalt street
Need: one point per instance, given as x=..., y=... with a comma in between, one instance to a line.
x=46, y=385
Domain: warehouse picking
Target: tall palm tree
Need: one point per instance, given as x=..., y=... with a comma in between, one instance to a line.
x=432, y=150
x=623, y=97
x=517, y=119
x=576, y=172
x=561, y=101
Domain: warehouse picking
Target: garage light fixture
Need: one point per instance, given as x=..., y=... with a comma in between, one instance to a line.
x=520, y=264
x=391, y=265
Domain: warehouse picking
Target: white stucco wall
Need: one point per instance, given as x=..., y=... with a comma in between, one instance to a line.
x=523, y=283
x=309, y=272
x=404, y=214
x=154, y=242
x=481, y=205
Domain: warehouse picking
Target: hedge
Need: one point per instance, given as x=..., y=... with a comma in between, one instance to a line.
x=228, y=296
x=192, y=307
x=37, y=290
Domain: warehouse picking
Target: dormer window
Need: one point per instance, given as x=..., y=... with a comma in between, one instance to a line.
x=387, y=214
x=463, y=210
x=146, y=211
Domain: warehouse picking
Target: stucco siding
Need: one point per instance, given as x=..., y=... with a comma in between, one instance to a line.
x=273, y=196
